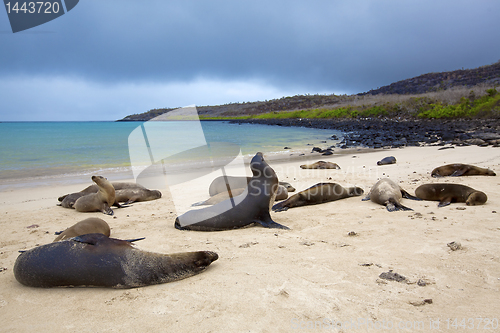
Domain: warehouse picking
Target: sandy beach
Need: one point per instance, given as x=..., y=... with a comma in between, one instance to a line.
x=314, y=277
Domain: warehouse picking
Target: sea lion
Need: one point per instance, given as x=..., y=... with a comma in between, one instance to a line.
x=68, y=200
x=252, y=206
x=459, y=169
x=448, y=193
x=220, y=197
x=288, y=186
x=92, y=225
x=99, y=261
x=100, y=201
x=281, y=194
x=319, y=193
x=387, y=160
x=130, y=195
x=320, y=165
x=388, y=193
x=219, y=185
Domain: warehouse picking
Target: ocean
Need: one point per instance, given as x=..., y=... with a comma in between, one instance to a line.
x=35, y=152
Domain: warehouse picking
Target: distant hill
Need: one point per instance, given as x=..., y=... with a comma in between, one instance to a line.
x=430, y=82
x=426, y=83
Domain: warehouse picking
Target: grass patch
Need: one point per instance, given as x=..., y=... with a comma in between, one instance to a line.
x=485, y=106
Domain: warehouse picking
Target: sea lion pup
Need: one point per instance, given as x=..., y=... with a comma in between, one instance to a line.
x=100, y=201
x=92, y=225
x=281, y=194
x=219, y=185
x=387, y=160
x=388, y=193
x=319, y=193
x=320, y=165
x=252, y=206
x=99, y=261
x=459, y=169
x=130, y=195
x=448, y=193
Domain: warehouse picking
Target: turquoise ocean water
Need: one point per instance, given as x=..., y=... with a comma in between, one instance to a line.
x=38, y=150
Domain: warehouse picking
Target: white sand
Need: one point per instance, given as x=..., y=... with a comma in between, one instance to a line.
x=269, y=280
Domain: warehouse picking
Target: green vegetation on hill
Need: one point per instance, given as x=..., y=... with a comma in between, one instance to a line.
x=413, y=107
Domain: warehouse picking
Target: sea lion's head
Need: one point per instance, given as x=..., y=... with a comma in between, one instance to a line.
x=476, y=198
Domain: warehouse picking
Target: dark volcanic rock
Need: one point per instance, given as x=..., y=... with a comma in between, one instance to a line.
x=378, y=133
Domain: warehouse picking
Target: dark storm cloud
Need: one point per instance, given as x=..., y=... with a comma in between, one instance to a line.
x=109, y=58
x=348, y=46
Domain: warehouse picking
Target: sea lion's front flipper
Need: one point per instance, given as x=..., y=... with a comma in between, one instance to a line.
x=271, y=224
x=409, y=196
x=134, y=240
x=283, y=209
x=444, y=202
x=460, y=172
x=366, y=198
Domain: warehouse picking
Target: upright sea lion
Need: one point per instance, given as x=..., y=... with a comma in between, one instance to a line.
x=100, y=201
x=448, y=193
x=92, y=225
x=219, y=185
x=319, y=193
x=388, y=193
x=459, y=169
x=130, y=195
x=252, y=206
x=320, y=165
x=387, y=160
x=99, y=261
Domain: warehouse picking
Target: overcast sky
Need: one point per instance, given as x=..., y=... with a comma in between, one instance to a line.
x=106, y=59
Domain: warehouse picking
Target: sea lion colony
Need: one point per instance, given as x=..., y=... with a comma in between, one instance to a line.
x=55, y=264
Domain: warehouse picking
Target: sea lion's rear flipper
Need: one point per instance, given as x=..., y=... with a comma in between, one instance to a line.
x=91, y=239
x=366, y=198
x=107, y=210
x=271, y=224
x=61, y=198
x=124, y=205
x=409, y=196
x=444, y=202
x=395, y=206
